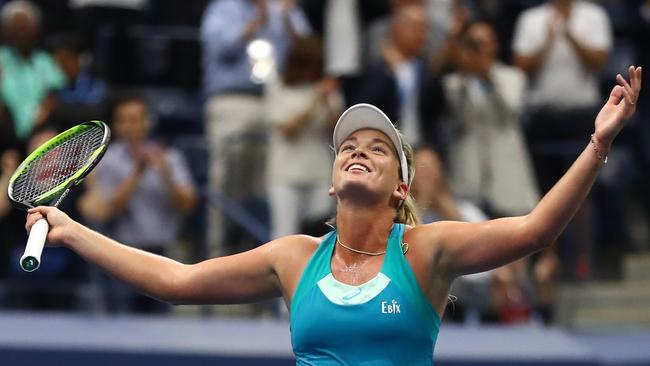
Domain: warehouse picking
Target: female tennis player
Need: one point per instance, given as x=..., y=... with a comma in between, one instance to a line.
x=373, y=290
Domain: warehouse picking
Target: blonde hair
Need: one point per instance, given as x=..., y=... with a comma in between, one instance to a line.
x=407, y=212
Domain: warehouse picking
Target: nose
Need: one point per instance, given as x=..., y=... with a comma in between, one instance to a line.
x=359, y=153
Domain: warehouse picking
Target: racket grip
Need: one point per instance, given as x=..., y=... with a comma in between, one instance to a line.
x=31, y=259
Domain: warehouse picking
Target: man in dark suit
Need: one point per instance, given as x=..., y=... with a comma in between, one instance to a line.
x=399, y=83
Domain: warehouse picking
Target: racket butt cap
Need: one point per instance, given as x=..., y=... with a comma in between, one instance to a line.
x=29, y=263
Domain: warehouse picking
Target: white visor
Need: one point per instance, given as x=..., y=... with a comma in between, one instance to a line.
x=361, y=116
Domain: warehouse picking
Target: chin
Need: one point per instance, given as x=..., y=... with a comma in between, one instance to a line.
x=359, y=190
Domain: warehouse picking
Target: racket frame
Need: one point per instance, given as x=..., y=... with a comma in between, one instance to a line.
x=61, y=189
x=31, y=259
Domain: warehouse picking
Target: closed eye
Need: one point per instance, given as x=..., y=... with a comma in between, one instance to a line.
x=347, y=147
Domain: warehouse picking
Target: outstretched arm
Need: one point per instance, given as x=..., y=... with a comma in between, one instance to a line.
x=473, y=247
x=246, y=277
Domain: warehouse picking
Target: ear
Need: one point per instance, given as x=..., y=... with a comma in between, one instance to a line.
x=401, y=191
x=331, y=191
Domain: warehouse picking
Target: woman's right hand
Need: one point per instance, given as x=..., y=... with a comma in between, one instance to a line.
x=618, y=109
x=61, y=225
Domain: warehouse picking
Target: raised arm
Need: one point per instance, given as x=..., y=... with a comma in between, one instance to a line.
x=473, y=247
x=245, y=277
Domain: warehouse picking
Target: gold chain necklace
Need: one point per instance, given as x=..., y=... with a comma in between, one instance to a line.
x=405, y=248
x=357, y=250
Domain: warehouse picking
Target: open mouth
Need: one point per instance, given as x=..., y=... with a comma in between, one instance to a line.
x=356, y=167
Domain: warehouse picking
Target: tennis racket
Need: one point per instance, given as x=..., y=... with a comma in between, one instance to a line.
x=46, y=176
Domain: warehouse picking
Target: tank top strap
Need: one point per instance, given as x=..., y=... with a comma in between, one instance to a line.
x=394, y=246
x=399, y=270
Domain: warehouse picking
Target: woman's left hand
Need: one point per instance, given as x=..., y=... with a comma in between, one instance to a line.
x=620, y=106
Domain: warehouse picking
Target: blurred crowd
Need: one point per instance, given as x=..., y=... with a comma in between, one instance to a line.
x=222, y=113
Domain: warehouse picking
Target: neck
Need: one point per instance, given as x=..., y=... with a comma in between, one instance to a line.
x=366, y=229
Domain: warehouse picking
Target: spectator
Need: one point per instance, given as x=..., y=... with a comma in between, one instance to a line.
x=353, y=30
x=373, y=35
x=302, y=108
x=443, y=59
x=399, y=84
x=147, y=188
x=84, y=97
x=342, y=29
x=30, y=77
x=234, y=107
x=488, y=158
x=433, y=196
x=563, y=63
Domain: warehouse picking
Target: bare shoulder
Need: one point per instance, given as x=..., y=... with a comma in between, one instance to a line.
x=429, y=241
x=297, y=243
x=430, y=235
x=290, y=255
x=292, y=249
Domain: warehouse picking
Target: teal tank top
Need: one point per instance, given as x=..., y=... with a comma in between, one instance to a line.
x=385, y=321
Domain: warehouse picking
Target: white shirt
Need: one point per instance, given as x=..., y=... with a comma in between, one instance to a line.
x=342, y=37
x=305, y=158
x=562, y=81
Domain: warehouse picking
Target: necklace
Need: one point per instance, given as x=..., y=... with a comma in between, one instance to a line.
x=357, y=250
x=405, y=248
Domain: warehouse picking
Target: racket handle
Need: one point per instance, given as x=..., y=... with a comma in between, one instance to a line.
x=31, y=260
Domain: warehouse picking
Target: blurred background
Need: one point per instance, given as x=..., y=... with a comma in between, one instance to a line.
x=222, y=113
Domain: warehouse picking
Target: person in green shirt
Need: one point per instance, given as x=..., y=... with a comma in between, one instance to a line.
x=29, y=76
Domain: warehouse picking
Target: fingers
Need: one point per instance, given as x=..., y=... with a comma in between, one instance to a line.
x=43, y=210
x=632, y=88
x=616, y=95
x=31, y=220
x=635, y=78
x=33, y=217
x=35, y=214
x=628, y=92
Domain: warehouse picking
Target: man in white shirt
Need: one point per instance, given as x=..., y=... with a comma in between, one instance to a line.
x=562, y=46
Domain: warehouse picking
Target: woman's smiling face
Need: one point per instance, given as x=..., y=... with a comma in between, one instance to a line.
x=366, y=163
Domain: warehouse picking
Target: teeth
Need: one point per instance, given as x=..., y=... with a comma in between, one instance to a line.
x=358, y=167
